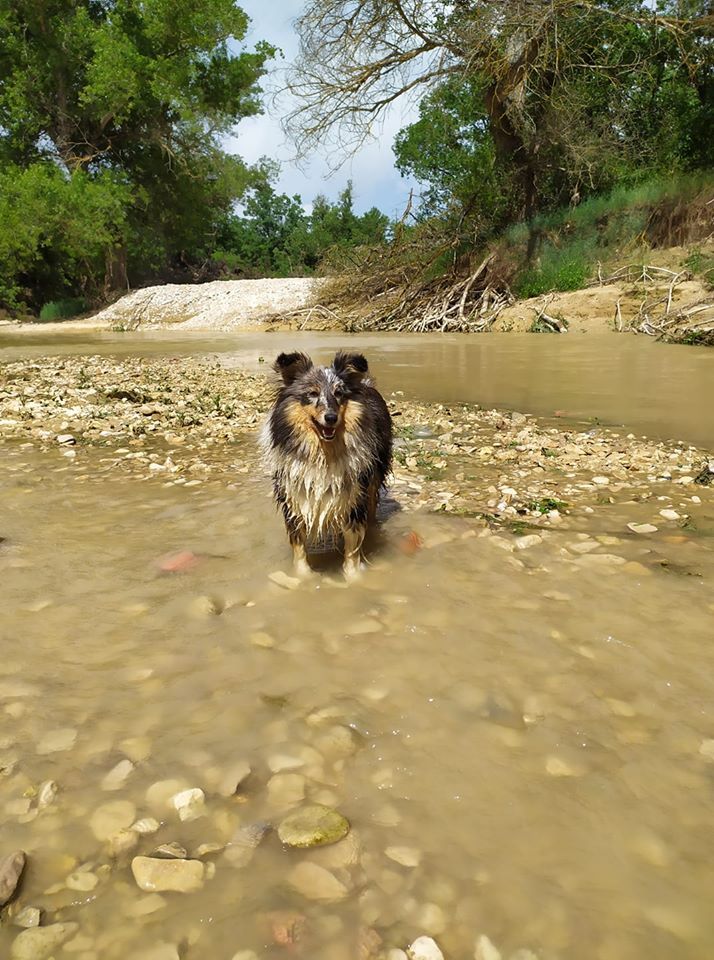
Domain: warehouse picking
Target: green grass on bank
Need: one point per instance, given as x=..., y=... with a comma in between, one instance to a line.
x=62, y=309
x=566, y=245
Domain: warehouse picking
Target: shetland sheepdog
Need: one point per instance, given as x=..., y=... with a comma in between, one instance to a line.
x=328, y=444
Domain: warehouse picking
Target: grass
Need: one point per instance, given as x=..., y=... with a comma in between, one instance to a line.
x=62, y=309
x=570, y=241
x=546, y=504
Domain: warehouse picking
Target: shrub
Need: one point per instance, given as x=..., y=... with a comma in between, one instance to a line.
x=62, y=309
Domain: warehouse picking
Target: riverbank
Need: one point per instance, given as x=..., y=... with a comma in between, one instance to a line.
x=187, y=420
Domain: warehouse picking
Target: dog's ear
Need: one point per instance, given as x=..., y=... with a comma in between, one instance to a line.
x=350, y=366
x=290, y=366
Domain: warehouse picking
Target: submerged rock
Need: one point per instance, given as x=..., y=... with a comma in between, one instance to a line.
x=486, y=950
x=157, y=876
x=424, y=948
x=316, y=883
x=38, y=943
x=313, y=826
x=11, y=868
x=110, y=818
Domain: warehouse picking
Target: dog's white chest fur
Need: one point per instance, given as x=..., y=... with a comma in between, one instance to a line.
x=321, y=487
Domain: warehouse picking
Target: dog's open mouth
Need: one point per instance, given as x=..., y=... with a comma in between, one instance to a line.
x=326, y=432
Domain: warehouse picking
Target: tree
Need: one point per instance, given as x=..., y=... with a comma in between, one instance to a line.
x=543, y=67
x=274, y=236
x=131, y=99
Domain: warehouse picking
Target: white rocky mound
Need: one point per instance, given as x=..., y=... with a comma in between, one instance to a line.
x=220, y=305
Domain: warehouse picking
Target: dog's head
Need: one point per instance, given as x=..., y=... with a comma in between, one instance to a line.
x=319, y=397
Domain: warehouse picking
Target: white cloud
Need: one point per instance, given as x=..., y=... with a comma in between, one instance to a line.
x=376, y=180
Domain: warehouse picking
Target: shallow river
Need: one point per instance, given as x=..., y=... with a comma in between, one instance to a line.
x=660, y=389
x=522, y=743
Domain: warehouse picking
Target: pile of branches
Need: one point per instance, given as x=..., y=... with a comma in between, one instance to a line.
x=692, y=322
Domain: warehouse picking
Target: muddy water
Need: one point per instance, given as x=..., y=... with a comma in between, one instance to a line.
x=521, y=739
x=659, y=389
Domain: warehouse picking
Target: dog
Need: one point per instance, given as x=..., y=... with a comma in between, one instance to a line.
x=328, y=443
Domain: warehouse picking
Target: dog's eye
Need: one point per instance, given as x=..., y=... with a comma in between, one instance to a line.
x=313, y=395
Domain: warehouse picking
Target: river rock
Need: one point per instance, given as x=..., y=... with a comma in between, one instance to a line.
x=37, y=943
x=313, y=826
x=190, y=804
x=11, y=868
x=46, y=794
x=117, y=776
x=233, y=778
x=122, y=843
x=405, y=856
x=642, y=528
x=81, y=880
x=424, y=948
x=146, y=825
x=57, y=741
x=110, y=818
x=160, y=793
x=171, y=851
x=285, y=790
x=316, y=883
x=157, y=876
x=27, y=917
x=486, y=950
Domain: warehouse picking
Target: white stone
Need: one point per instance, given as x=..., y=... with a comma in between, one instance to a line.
x=190, y=804
x=117, y=776
x=57, y=741
x=424, y=948
x=81, y=880
x=531, y=540
x=233, y=778
x=642, y=528
x=316, y=883
x=485, y=950
x=669, y=514
x=179, y=876
x=406, y=856
x=601, y=481
x=37, y=943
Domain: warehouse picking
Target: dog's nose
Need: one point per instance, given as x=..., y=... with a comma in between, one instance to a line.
x=330, y=418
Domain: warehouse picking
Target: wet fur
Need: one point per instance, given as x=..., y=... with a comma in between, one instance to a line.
x=327, y=485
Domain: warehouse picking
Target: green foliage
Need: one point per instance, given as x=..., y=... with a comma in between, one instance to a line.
x=110, y=122
x=62, y=309
x=274, y=236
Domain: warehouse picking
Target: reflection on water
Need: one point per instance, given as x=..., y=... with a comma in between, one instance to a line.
x=659, y=389
x=521, y=739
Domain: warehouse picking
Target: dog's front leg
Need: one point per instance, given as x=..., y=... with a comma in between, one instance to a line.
x=353, y=535
x=298, y=538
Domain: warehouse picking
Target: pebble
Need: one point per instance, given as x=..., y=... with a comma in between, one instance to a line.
x=110, y=818
x=122, y=843
x=157, y=876
x=46, y=794
x=279, y=762
x=531, y=540
x=57, y=741
x=316, y=883
x=117, y=776
x=160, y=793
x=424, y=948
x=406, y=856
x=669, y=514
x=486, y=950
x=233, y=777
x=81, y=880
x=283, y=580
x=190, y=804
x=557, y=767
x=145, y=906
x=433, y=919
x=259, y=638
x=601, y=481
x=642, y=527
x=171, y=851
x=11, y=868
x=66, y=438
x=336, y=856
x=146, y=825
x=38, y=943
x=285, y=790
x=27, y=917
x=313, y=826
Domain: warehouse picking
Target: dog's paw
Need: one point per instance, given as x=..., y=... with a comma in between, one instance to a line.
x=303, y=570
x=353, y=570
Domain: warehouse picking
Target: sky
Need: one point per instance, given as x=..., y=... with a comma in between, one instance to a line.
x=376, y=181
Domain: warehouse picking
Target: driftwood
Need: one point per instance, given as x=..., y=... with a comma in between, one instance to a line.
x=544, y=322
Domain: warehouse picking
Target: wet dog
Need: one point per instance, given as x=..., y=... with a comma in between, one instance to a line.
x=328, y=444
